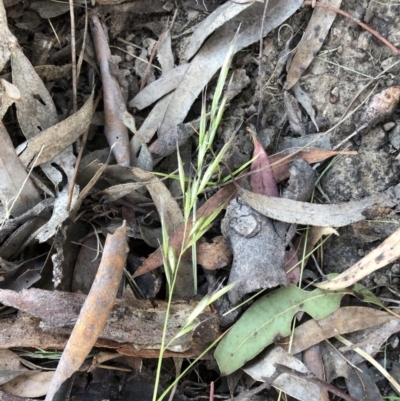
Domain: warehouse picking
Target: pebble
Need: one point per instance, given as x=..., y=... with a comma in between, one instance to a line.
x=394, y=137
x=388, y=126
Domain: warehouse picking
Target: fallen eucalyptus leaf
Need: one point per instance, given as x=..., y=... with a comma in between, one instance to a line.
x=384, y=254
x=344, y=320
x=269, y=319
x=334, y=215
x=316, y=31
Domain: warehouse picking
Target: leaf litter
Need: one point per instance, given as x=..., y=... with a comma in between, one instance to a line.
x=127, y=187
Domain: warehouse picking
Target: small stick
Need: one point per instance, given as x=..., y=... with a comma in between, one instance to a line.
x=313, y=379
x=78, y=159
x=260, y=65
x=73, y=57
x=394, y=49
x=212, y=391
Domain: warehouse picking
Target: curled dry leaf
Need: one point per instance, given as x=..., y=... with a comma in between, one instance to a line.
x=336, y=215
x=384, y=254
x=95, y=310
x=114, y=104
x=380, y=107
x=262, y=180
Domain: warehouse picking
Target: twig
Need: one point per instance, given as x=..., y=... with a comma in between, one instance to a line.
x=114, y=104
x=245, y=395
x=313, y=379
x=153, y=52
x=394, y=49
x=73, y=57
x=212, y=391
x=260, y=64
x=79, y=158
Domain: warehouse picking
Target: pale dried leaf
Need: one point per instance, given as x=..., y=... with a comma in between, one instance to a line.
x=156, y=90
x=384, y=254
x=49, y=9
x=8, y=95
x=345, y=320
x=14, y=181
x=166, y=205
x=336, y=215
x=56, y=138
x=7, y=40
x=60, y=214
x=165, y=55
x=216, y=19
x=303, y=98
x=36, y=113
x=263, y=368
x=10, y=365
x=213, y=53
x=312, y=41
x=29, y=384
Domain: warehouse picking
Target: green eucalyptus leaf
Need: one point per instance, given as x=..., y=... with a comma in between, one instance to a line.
x=269, y=319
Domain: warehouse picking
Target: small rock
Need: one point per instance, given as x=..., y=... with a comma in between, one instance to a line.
x=381, y=279
x=363, y=40
x=388, y=126
x=394, y=342
x=396, y=268
x=394, y=137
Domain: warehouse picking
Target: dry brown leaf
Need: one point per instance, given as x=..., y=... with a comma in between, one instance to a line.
x=314, y=235
x=139, y=322
x=336, y=215
x=29, y=384
x=384, y=254
x=36, y=113
x=10, y=366
x=95, y=310
x=316, y=31
x=314, y=155
x=345, y=320
x=56, y=138
x=223, y=196
x=214, y=255
x=16, y=188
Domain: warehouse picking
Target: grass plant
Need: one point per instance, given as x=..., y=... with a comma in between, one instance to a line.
x=195, y=228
